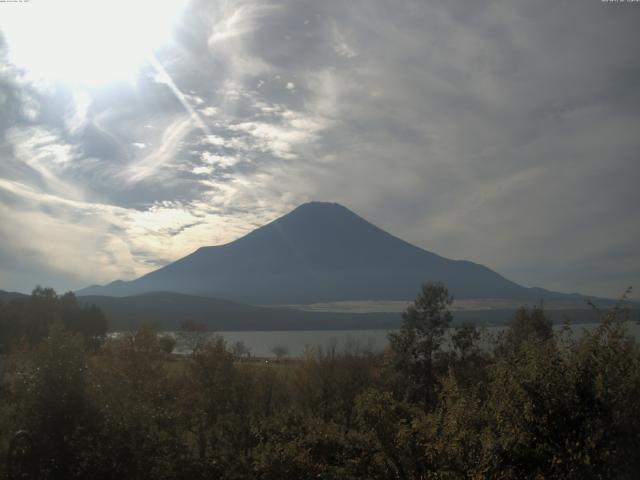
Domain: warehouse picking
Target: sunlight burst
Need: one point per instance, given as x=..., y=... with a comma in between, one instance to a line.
x=87, y=42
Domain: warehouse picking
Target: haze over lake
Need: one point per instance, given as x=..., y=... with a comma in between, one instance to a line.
x=261, y=343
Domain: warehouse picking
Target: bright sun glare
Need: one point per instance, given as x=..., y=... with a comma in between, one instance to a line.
x=87, y=42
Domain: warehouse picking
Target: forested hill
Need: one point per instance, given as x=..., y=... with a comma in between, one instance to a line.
x=30, y=317
x=320, y=252
x=6, y=297
x=168, y=311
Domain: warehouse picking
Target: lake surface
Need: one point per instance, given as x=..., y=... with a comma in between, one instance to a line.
x=296, y=342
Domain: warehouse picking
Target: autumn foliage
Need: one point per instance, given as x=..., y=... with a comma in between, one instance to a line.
x=533, y=403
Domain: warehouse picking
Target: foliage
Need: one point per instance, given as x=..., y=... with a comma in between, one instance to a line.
x=193, y=335
x=31, y=317
x=54, y=402
x=527, y=324
x=534, y=404
x=240, y=350
x=415, y=346
x=167, y=344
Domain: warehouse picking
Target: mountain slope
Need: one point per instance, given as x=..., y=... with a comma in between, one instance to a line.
x=319, y=252
x=7, y=297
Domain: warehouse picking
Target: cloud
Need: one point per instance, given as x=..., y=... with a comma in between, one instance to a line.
x=156, y=162
x=43, y=156
x=487, y=131
x=84, y=242
x=281, y=139
x=76, y=118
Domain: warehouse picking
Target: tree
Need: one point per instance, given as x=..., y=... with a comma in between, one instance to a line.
x=527, y=324
x=413, y=348
x=31, y=317
x=465, y=340
x=137, y=399
x=192, y=336
x=167, y=344
x=88, y=320
x=280, y=351
x=37, y=313
x=469, y=360
x=57, y=408
x=327, y=382
x=240, y=349
x=209, y=399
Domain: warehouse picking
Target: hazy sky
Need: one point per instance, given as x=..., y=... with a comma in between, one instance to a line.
x=502, y=132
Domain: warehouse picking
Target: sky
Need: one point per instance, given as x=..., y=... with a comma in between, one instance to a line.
x=502, y=132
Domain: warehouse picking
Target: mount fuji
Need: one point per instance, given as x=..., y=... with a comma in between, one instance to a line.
x=320, y=252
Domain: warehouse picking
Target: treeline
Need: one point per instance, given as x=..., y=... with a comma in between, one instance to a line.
x=27, y=319
x=535, y=404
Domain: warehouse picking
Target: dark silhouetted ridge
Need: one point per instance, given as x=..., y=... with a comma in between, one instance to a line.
x=318, y=252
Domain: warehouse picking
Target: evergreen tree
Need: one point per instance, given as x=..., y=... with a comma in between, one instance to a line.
x=414, y=347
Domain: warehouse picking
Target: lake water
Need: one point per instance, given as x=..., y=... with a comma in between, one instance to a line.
x=261, y=344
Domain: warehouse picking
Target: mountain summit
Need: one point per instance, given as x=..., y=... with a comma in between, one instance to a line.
x=319, y=252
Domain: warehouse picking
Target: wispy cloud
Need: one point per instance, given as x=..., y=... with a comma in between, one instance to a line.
x=162, y=159
x=486, y=131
